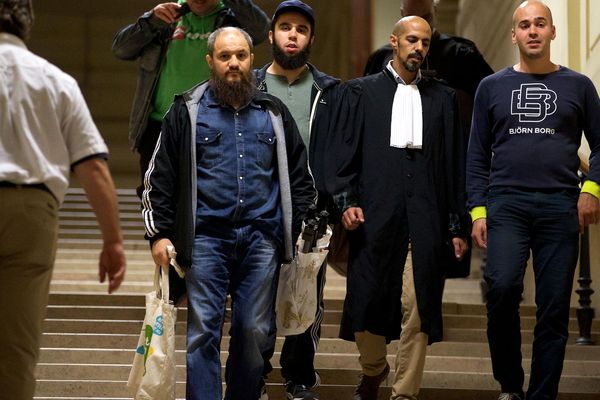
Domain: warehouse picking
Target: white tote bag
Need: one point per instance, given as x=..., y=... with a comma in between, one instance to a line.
x=152, y=375
x=296, y=303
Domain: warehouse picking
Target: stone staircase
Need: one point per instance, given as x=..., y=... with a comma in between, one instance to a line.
x=89, y=336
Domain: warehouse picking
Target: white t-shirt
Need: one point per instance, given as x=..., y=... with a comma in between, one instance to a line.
x=45, y=124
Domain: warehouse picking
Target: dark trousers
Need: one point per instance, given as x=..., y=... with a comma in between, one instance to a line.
x=545, y=223
x=298, y=352
x=146, y=149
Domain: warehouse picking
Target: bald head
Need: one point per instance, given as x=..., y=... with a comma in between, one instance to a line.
x=529, y=6
x=411, y=22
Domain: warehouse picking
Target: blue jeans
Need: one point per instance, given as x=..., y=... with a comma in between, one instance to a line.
x=546, y=223
x=242, y=262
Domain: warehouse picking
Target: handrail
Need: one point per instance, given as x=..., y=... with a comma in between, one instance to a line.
x=585, y=312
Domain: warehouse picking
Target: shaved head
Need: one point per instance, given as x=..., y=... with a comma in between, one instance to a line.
x=411, y=21
x=544, y=9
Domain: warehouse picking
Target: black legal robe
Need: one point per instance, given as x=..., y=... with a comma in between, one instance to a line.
x=405, y=194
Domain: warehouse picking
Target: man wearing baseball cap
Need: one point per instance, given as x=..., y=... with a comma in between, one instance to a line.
x=310, y=96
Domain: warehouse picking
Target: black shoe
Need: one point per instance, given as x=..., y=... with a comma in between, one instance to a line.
x=369, y=385
x=299, y=392
x=263, y=391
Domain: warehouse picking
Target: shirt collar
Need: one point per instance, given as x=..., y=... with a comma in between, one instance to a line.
x=11, y=39
x=399, y=79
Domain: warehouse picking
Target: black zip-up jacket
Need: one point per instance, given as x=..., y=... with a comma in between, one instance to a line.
x=323, y=100
x=170, y=186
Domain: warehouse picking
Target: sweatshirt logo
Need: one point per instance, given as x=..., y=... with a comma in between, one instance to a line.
x=179, y=33
x=533, y=102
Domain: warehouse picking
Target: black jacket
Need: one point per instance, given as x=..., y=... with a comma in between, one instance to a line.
x=324, y=99
x=170, y=187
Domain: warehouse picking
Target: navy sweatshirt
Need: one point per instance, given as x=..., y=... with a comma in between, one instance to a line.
x=527, y=129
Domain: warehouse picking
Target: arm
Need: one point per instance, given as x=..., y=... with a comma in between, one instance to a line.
x=588, y=205
x=303, y=191
x=479, y=156
x=472, y=68
x=251, y=18
x=95, y=178
x=130, y=42
x=158, y=203
x=455, y=157
x=345, y=143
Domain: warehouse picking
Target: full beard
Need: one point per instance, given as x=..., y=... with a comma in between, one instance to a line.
x=232, y=94
x=290, y=62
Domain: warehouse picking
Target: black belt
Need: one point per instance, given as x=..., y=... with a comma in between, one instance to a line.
x=39, y=186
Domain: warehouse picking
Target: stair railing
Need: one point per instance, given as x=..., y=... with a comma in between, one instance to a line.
x=585, y=312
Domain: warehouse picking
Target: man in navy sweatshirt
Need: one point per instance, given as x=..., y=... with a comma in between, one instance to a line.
x=523, y=195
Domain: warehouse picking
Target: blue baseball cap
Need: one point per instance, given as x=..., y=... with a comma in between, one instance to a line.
x=298, y=6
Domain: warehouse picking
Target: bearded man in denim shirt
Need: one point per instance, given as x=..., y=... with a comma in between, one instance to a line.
x=228, y=186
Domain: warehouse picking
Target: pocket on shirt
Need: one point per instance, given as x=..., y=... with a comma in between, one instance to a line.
x=265, y=148
x=208, y=151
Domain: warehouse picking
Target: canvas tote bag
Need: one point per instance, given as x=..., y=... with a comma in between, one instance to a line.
x=152, y=374
x=296, y=301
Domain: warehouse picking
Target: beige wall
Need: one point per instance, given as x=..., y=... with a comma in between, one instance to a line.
x=577, y=46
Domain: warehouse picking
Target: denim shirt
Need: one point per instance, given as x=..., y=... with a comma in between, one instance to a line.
x=236, y=166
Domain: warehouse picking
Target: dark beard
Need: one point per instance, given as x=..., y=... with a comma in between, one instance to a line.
x=233, y=94
x=290, y=62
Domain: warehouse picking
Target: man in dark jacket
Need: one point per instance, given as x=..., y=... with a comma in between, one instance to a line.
x=228, y=186
x=310, y=95
x=170, y=44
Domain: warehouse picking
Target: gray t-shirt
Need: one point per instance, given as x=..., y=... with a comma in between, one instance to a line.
x=296, y=96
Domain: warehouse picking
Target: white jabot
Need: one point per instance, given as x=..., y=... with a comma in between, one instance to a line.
x=406, y=128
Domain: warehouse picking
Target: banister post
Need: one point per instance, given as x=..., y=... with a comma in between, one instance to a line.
x=585, y=313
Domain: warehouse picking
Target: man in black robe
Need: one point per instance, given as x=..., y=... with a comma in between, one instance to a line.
x=400, y=176
x=453, y=59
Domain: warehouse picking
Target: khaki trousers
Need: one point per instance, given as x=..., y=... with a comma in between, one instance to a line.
x=28, y=231
x=412, y=346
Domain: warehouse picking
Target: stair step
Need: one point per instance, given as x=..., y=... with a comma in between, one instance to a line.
x=336, y=367
x=331, y=316
x=96, y=244
x=478, y=386
x=327, y=330
x=326, y=345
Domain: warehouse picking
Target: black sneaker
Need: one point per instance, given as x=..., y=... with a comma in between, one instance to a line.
x=299, y=392
x=510, y=396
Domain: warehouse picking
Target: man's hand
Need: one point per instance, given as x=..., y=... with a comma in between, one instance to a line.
x=352, y=218
x=460, y=247
x=168, y=12
x=479, y=233
x=159, y=251
x=112, y=265
x=588, y=209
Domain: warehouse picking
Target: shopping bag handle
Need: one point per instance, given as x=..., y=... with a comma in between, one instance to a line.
x=161, y=282
x=173, y=261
